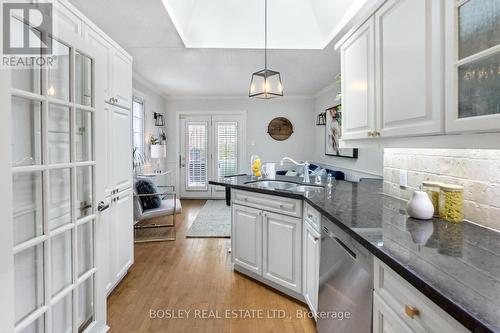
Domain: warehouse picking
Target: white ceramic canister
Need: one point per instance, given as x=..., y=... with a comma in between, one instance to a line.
x=420, y=206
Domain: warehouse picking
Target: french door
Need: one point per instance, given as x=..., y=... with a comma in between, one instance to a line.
x=52, y=126
x=211, y=148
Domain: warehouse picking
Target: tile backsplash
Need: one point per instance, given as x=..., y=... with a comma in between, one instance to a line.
x=477, y=170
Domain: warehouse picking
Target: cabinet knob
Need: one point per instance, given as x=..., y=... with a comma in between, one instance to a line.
x=376, y=133
x=411, y=311
x=370, y=133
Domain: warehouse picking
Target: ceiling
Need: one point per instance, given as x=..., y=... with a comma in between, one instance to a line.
x=292, y=24
x=211, y=65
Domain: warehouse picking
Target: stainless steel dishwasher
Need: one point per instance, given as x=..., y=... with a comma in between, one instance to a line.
x=345, y=283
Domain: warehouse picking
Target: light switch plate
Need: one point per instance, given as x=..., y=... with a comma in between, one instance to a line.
x=403, y=178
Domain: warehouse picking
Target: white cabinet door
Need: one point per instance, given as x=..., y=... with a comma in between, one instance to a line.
x=282, y=250
x=311, y=266
x=409, y=89
x=385, y=320
x=106, y=145
x=123, y=233
x=121, y=148
x=106, y=50
x=358, y=75
x=122, y=79
x=246, y=238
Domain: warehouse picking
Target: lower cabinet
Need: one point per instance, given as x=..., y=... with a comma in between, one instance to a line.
x=385, y=320
x=282, y=251
x=120, y=241
x=311, y=251
x=247, y=238
x=268, y=245
x=400, y=307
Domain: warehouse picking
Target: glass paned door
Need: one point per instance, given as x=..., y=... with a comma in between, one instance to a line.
x=211, y=148
x=227, y=148
x=54, y=193
x=196, y=151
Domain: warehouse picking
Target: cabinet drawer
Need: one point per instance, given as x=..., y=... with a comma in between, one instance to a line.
x=401, y=297
x=271, y=203
x=312, y=216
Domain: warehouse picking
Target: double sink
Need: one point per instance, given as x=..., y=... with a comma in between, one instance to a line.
x=285, y=185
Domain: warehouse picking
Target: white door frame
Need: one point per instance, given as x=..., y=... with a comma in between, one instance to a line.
x=243, y=129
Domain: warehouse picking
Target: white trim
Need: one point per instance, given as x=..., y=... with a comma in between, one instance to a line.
x=230, y=97
x=325, y=89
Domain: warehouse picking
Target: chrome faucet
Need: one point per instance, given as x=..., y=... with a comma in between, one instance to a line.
x=305, y=165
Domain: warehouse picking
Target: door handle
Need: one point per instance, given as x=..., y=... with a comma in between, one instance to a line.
x=102, y=206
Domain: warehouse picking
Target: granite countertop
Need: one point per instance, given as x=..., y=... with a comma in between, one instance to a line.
x=456, y=265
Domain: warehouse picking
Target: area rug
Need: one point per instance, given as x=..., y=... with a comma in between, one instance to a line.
x=213, y=221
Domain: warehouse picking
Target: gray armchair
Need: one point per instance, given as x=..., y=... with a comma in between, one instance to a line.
x=148, y=222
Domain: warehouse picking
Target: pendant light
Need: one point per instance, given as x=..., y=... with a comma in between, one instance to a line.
x=266, y=83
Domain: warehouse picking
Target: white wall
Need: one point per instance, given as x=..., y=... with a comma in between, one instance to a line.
x=259, y=114
x=370, y=161
x=154, y=102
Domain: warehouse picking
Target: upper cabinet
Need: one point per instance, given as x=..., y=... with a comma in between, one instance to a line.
x=408, y=64
x=419, y=68
x=122, y=79
x=118, y=78
x=358, y=77
x=472, y=66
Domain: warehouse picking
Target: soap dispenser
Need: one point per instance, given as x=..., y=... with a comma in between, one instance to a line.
x=420, y=206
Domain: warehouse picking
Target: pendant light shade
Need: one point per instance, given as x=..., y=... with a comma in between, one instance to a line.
x=266, y=83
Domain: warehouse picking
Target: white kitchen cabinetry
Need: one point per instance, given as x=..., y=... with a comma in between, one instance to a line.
x=117, y=144
x=118, y=75
x=358, y=91
x=385, y=320
x=408, y=65
x=106, y=49
x=392, y=72
x=120, y=245
x=312, y=243
x=399, y=307
x=266, y=242
x=247, y=238
x=282, y=250
x=471, y=61
x=122, y=79
x=121, y=148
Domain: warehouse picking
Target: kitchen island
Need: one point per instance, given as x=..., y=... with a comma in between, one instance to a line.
x=455, y=266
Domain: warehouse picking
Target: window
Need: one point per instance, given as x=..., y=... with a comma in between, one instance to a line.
x=138, y=124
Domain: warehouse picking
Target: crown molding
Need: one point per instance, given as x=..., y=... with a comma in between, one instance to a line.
x=324, y=90
x=145, y=82
x=214, y=97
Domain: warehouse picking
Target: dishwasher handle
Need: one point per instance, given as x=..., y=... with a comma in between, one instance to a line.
x=341, y=243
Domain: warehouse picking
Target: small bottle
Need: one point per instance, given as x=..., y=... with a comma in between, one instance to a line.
x=432, y=189
x=451, y=203
x=318, y=180
x=329, y=180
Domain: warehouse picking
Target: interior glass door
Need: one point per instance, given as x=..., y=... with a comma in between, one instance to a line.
x=53, y=175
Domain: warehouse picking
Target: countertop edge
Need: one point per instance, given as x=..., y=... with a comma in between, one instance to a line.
x=459, y=313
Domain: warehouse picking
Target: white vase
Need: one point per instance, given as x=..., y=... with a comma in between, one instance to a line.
x=420, y=206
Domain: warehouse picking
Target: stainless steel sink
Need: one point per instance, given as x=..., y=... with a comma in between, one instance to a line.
x=284, y=185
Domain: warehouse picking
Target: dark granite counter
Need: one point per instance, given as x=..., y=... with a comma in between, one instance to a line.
x=455, y=265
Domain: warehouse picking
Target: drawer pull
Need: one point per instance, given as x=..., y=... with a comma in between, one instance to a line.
x=281, y=206
x=309, y=216
x=411, y=311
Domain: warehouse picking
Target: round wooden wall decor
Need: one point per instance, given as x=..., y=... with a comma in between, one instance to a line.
x=280, y=129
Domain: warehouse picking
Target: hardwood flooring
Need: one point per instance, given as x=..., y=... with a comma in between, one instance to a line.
x=170, y=278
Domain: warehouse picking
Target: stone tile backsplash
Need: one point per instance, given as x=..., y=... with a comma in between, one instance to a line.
x=477, y=170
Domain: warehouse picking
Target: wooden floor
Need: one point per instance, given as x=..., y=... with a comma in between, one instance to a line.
x=195, y=275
